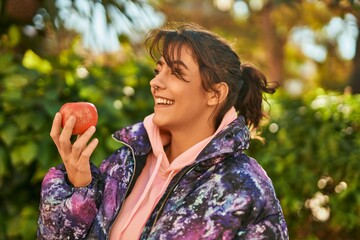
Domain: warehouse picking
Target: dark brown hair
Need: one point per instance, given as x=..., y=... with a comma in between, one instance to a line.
x=217, y=63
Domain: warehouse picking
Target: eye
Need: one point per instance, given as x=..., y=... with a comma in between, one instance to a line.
x=177, y=72
x=156, y=71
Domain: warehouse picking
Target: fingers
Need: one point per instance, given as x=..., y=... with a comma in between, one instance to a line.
x=76, y=153
x=84, y=150
x=85, y=155
x=82, y=140
x=78, y=164
x=65, y=136
x=83, y=164
x=61, y=138
x=55, y=128
x=75, y=156
x=79, y=171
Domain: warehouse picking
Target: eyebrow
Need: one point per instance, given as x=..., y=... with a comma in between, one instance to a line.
x=177, y=62
x=160, y=62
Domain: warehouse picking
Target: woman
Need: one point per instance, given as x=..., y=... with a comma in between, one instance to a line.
x=182, y=172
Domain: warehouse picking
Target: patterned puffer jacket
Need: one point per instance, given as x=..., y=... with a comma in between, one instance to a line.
x=223, y=195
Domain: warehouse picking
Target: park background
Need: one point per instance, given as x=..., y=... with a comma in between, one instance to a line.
x=52, y=52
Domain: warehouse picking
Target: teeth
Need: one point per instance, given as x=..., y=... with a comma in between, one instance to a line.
x=164, y=101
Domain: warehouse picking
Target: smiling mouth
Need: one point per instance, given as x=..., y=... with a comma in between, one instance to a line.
x=164, y=101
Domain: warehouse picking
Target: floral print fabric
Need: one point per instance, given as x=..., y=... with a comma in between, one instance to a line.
x=224, y=195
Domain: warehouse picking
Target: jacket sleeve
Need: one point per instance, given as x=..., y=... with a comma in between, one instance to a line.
x=67, y=212
x=272, y=227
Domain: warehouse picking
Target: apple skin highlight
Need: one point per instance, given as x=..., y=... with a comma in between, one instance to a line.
x=85, y=113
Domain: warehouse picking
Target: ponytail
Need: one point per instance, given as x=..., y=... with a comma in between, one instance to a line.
x=249, y=101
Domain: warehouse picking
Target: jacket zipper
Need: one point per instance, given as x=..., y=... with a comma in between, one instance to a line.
x=132, y=178
x=168, y=195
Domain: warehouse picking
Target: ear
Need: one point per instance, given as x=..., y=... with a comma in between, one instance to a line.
x=216, y=97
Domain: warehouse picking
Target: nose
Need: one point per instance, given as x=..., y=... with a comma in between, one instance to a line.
x=157, y=82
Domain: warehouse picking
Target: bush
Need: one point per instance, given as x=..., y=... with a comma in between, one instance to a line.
x=311, y=149
x=311, y=152
x=31, y=92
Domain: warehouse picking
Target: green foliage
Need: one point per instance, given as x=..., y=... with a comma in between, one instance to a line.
x=311, y=149
x=32, y=90
x=311, y=152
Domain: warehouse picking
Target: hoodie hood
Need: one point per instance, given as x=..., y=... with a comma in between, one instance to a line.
x=233, y=138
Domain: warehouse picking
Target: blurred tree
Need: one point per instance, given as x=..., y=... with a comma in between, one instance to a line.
x=342, y=8
x=290, y=40
x=354, y=79
x=21, y=10
x=100, y=23
x=44, y=65
x=311, y=151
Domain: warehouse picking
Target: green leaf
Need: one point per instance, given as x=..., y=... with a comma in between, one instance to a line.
x=7, y=66
x=24, y=154
x=69, y=78
x=33, y=119
x=15, y=81
x=32, y=61
x=3, y=160
x=23, y=224
x=8, y=134
x=14, y=35
x=23, y=120
x=10, y=96
x=28, y=222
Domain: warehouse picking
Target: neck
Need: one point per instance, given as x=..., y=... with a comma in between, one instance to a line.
x=180, y=141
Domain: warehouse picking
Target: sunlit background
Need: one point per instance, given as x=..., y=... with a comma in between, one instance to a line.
x=54, y=52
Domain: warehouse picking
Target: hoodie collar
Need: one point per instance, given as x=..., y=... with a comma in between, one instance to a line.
x=234, y=137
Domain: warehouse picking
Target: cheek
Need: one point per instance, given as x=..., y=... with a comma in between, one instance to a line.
x=195, y=88
x=194, y=101
x=198, y=96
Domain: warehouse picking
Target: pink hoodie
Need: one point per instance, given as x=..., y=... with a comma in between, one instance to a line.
x=154, y=179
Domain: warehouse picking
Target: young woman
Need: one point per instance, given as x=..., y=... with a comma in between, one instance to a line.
x=182, y=172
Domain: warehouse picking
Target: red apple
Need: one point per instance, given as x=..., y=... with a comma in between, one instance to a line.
x=84, y=112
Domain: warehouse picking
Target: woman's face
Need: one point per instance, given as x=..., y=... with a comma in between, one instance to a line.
x=180, y=102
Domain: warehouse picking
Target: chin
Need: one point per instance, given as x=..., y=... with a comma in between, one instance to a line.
x=160, y=123
x=157, y=120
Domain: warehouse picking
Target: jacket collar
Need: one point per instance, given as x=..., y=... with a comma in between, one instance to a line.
x=233, y=138
x=135, y=136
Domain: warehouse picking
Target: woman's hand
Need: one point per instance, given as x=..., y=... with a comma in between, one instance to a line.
x=76, y=156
